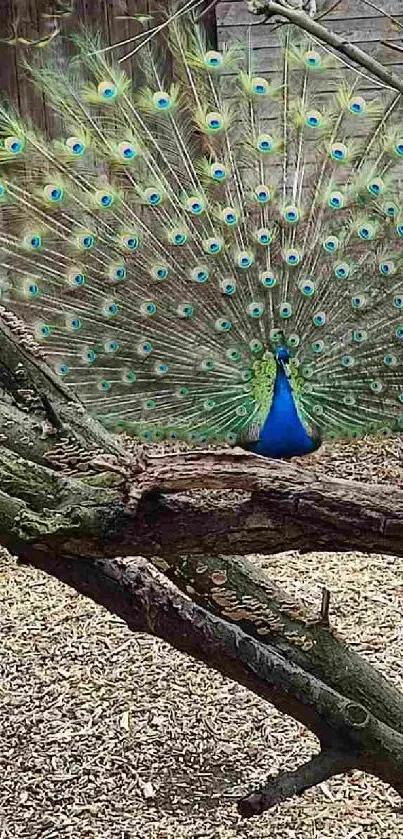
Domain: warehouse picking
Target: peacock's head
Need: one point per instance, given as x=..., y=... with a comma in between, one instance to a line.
x=282, y=354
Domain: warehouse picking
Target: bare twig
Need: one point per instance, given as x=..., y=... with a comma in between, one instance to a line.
x=383, y=13
x=325, y=606
x=322, y=766
x=392, y=46
x=303, y=21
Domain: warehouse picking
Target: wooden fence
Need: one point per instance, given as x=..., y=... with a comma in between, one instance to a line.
x=354, y=20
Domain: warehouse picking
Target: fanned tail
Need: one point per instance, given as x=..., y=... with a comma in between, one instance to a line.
x=181, y=231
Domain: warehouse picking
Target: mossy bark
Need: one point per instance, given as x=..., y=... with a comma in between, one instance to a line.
x=75, y=500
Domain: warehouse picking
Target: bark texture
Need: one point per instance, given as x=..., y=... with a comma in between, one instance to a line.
x=72, y=498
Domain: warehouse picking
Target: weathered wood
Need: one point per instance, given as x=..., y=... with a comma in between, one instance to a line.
x=102, y=16
x=235, y=12
x=264, y=59
x=238, y=592
x=350, y=735
x=358, y=25
x=69, y=524
x=354, y=31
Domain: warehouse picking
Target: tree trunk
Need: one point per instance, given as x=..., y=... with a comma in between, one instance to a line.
x=72, y=498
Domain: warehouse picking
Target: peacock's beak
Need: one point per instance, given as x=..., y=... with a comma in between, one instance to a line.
x=282, y=359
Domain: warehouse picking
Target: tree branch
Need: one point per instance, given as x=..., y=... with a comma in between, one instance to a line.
x=287, y=507
x=321, y=767
x=39, y=416
x=137, y=593
x=69, y=522
x=303, y=21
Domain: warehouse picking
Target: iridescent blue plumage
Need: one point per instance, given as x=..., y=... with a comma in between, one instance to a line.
x=283, y=434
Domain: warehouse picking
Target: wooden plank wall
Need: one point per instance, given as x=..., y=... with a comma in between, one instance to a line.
x=98, y=15
x=354, y=20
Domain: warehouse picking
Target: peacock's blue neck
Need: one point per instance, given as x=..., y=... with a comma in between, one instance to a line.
x=283, y=434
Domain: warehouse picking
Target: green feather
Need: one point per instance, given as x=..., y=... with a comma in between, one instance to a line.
x=182, y=225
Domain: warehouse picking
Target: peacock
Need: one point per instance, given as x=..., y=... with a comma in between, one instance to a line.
x=209, y=253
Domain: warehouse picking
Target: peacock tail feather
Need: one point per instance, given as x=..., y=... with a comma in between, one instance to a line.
x=173, y=245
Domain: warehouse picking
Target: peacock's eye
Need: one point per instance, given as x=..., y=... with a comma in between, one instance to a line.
x=148, y=308
x=111, y=309
x=259, y=86
x=339, y=152
x=319, y=319
x=360, y=335
x=153, y=197
x=331, y=244
x=285, y=310
x=107, y=90
x=291, y=214
x=213, y=245
x=336, y=201
x=127, y=151
x=342, y=270
x=15, y=145
x=200, y=274
x=161, y=369
x=159, y=272
x=223, y=325
x=218, y=171
x=214, y=121
x=213, y=60
x=129, y=376
x=178, y=237
x=195, y=205
x=391, y=210
x=111, y=346
x=357, y=105
x=293, y=340
x=144, y=348
x=262, y=194
x=33, y=289
x=130, y=241
x=313, y=119
x=104, y=199
x=255, y=310
x=358, y=302
x=54, y=193
x=230, y=216
x=255, y=346
x=62, y=369
x=185, y=310
x=347, y=360
x=267, y=279
x=387, y=268
x=292, y=257
x=312, y=59
x=264, y=236
x=228, y=287
x=162, y=100
x=75, y=145
x=307, y=288
x=265, y=143
x=244, y=259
